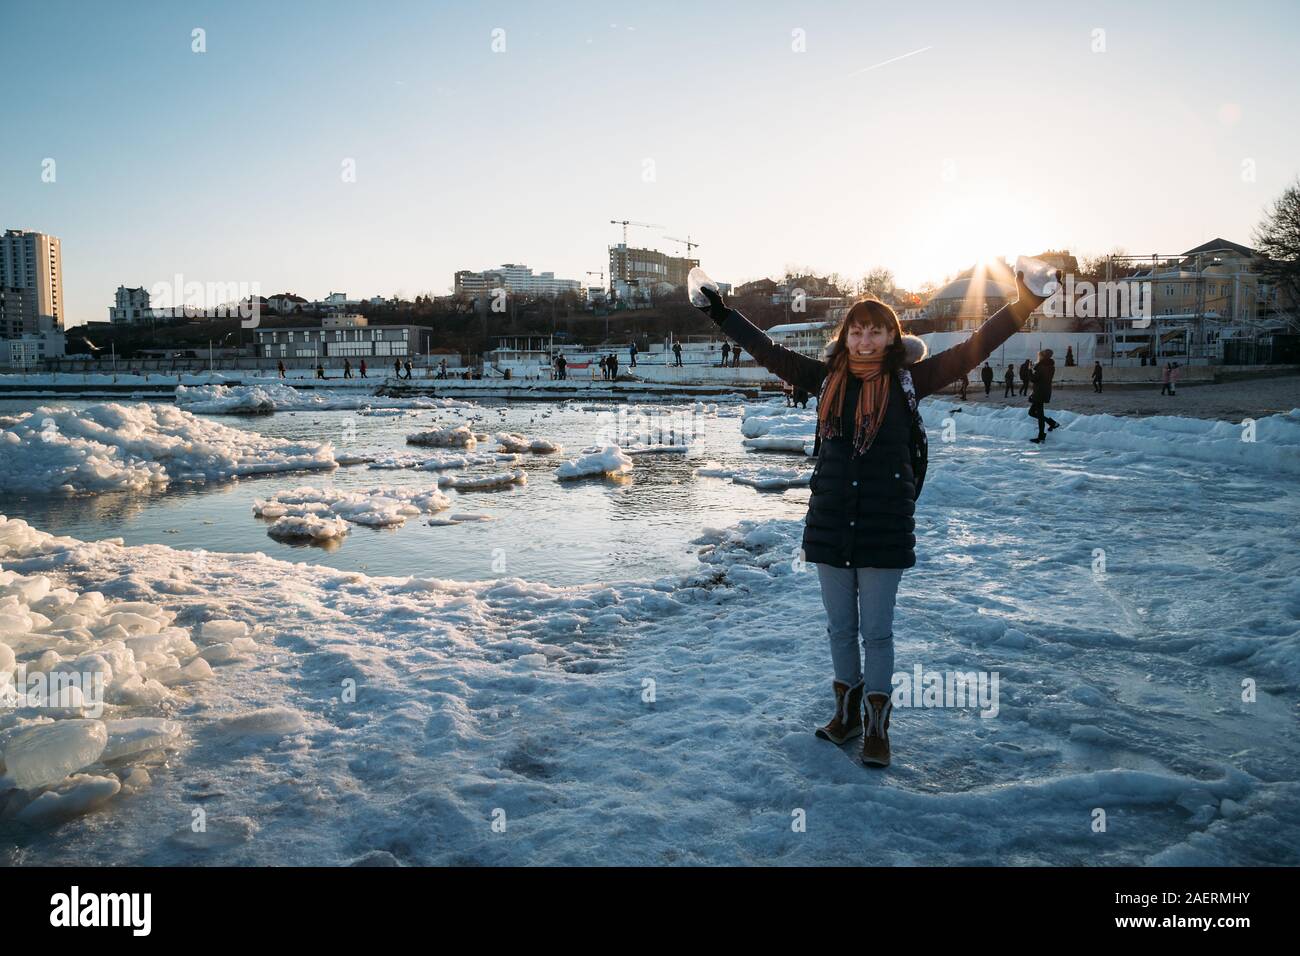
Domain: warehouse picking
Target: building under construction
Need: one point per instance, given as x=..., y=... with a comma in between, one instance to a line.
x=646, y=270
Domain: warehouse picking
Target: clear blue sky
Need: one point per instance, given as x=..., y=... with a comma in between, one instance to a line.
x=1006, y=135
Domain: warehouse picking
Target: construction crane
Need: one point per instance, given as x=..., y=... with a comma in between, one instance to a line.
x=625, y=223
x=686, y=242
x=630, y=222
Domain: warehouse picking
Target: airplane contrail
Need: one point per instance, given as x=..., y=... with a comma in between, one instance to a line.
x=892, y=60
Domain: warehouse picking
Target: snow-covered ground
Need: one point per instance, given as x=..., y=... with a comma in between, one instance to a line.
x=1138, y=601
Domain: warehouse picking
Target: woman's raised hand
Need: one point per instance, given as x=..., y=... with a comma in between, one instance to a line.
x=717, y=308
x=1026, y=294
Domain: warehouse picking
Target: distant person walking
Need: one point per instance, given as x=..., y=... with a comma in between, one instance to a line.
x=1025, y=371
x=1010, y=379
x=735, y=357
x=1096, y=377
x=613, y=367
x=363, y=368
x=1164, y=378
x=986, y=374
x=1069, y=356
x=279, y=367
x=1044, y=370
x=320, y=370
x=963, y=385
x=561, y=367
x=726, y=353
x=1175, y=370
x=397, y=368
x=408, y=368
x=631, y=351
x=347, y=368
x=677, y=354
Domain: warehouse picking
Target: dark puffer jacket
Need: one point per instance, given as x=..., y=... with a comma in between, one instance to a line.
x=1040, y=392
x=860, y=513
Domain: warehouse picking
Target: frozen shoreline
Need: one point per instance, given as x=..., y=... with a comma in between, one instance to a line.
x=1119, y=690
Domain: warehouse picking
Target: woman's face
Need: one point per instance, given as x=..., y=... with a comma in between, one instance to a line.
x=869, y=339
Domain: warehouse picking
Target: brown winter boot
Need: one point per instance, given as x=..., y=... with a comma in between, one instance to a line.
x=875, y=742
x=847, y=722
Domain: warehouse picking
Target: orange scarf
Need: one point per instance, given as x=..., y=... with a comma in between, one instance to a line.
x=872, y=400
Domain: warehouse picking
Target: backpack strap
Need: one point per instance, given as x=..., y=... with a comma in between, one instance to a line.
x=905, y=377
x=920, y=447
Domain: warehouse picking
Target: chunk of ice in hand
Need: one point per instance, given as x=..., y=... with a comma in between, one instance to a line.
x=1040, y=276
x=699, y=279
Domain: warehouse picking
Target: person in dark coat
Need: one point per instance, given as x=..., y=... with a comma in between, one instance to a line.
x=677, y=354
x=963, y=385
x=1044, y=370
x=1025, y=370
x=860, y=530
x=613, y=367
x=1010, y=379
x=986, y=375
x=1096, y=376
x=726, y=353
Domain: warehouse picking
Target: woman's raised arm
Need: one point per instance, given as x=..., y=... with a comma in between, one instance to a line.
x=934, y=373
x=786, y=364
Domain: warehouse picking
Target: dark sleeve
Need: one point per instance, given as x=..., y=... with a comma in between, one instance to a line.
x=786, y=364
x=934, y=373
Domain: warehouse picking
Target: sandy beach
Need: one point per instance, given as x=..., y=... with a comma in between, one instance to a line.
x=1229, y=401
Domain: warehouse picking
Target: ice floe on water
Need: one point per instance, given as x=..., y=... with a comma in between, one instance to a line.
x=113, y=447
x=270, y=397
x=439, y=461
x=309, y=527
x=500, y=479
x=321, y=513
x=767, y=478
x=778, y=428
x=609, y=460
x=514, y=442
x=448, y=436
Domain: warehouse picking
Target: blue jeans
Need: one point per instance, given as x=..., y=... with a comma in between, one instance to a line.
x=860, y=605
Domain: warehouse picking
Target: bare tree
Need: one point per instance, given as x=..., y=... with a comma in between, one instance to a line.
x=1277, y=242
x=880, y=283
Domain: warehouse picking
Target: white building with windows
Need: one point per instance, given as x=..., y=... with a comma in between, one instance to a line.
x=355, y=341
x=514, y=278
x=30, y=350
x=130, y=306
x=34, y=261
